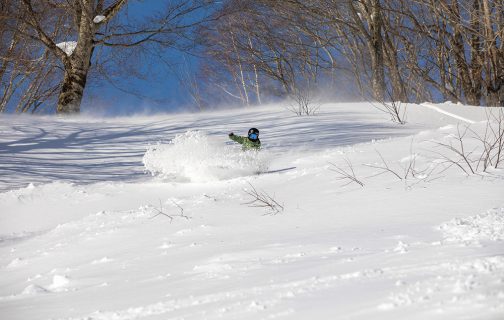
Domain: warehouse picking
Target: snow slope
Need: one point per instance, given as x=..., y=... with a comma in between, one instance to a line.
x=152, y=217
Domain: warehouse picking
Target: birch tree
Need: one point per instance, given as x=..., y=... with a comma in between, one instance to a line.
x=88, y=24
x=267, y=40
x=461, y=50
x=27, y=71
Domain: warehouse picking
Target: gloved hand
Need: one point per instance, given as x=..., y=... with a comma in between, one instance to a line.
x=231, y=134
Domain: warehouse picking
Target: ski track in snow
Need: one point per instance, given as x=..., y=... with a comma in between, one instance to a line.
x=189, y=246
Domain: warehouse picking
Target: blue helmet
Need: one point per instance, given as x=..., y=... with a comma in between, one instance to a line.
x=253, y=134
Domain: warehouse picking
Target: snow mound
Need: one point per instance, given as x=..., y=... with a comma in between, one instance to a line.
x=16, y=263
x=33, y=289
x=193, y=157
x=59, y=283
x=486, y=226
x=68, y=47
x=98, y=19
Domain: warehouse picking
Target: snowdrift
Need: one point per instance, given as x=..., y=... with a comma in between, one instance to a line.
x=195, y=157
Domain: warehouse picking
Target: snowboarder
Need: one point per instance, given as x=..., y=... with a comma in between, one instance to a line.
x=251, y=142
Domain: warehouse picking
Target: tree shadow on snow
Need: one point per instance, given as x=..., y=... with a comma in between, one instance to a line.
x=70, y=153
x=88, y=152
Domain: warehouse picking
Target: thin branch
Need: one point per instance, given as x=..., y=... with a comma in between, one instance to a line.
x=170, y=216
x=261, y=199
x=385, y=168
x=346, y=175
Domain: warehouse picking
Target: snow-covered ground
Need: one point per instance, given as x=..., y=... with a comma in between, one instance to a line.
x=153, y=218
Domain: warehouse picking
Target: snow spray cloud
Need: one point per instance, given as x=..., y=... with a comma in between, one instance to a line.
x=194, y=157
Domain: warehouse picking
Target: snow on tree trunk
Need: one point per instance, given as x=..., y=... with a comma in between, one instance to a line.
x=74, y=82
x=77, y=65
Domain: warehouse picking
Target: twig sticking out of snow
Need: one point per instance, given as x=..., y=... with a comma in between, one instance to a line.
x=263, y=200
x=346, y=174
x=170, y=216
x=459, y=150
x=410, y=171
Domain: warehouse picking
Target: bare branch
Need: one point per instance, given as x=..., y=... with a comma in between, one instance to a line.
x=170, y=216
x=463, y=155
x=261, y=199
x=346, y=174
x=112, y=10
x=385, y=167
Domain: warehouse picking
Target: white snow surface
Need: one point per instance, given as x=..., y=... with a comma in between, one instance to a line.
x=68, y=47
x=98, y=19
x=152, y=217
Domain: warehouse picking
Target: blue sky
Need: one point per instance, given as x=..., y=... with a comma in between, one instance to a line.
x=161, y=90
x=163, y=94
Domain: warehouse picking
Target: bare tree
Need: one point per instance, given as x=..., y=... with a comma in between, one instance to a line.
x=189, y=80
x=492, y=140
x=367, y=18
x=72, y=30
x=263, y=40
x=27, y=72
x=463, y=158
x=460, y=52
x=474, y=158
x=397, y=51
x=392, y=107
x=303, y=100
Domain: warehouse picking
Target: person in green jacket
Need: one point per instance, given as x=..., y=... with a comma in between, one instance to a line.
x=251, y=142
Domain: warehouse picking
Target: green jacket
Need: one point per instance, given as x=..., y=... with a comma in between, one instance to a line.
x=246, y=143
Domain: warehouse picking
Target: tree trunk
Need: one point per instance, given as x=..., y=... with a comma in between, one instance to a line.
x=376, y=48
x=494, y=56
x=390, y=50
x=78, y=63
x=256, y=80
x=70, y=97
x=367, y=18
x=476, y=63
